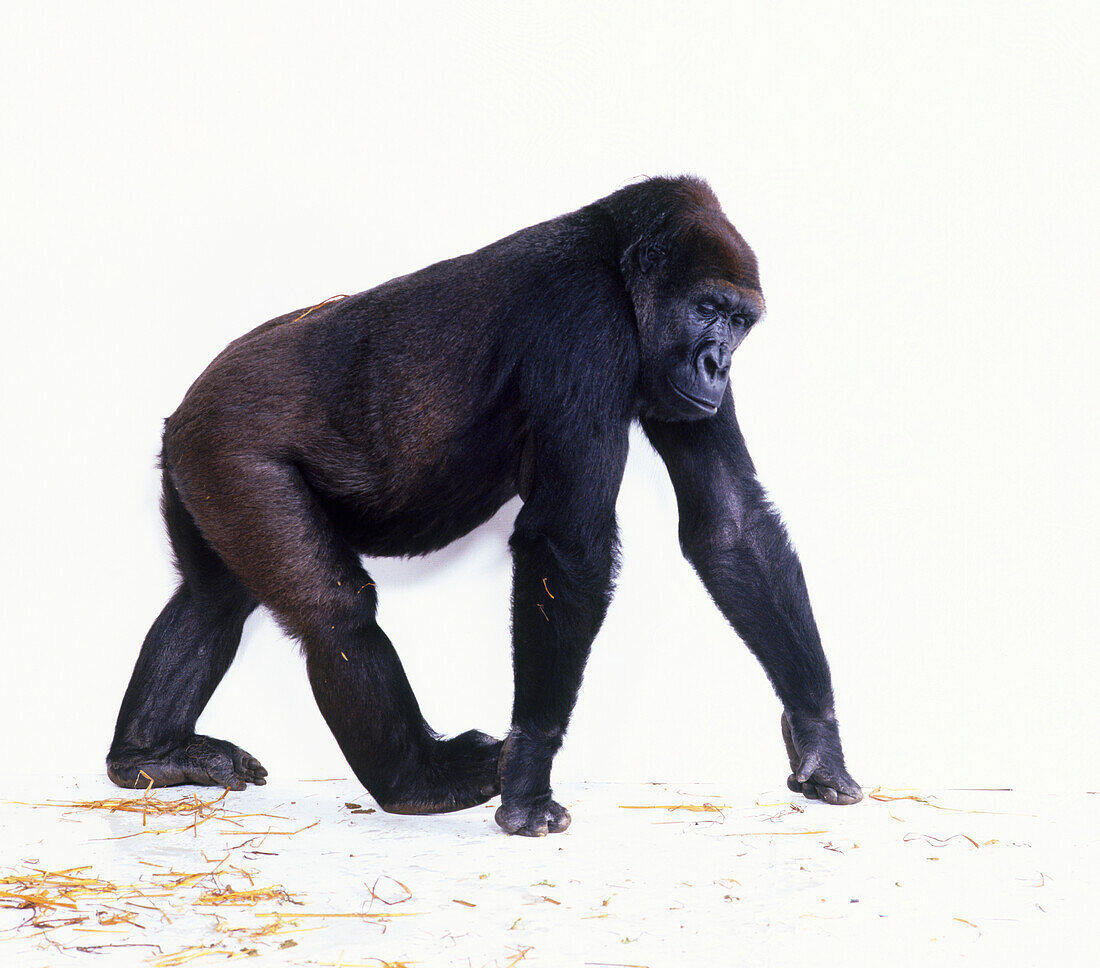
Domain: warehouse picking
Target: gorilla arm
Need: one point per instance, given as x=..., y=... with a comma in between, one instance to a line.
x=740, y=549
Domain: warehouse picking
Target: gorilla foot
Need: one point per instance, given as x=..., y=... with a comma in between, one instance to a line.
x=543, y=817
x=461, y=772
x=817, y=763
x=526, y=804
x=200, y=760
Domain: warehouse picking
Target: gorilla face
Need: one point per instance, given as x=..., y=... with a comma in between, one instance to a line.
x=694, y=306
x=702, y=330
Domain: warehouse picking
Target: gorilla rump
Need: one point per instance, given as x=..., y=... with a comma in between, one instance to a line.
x=394, y=421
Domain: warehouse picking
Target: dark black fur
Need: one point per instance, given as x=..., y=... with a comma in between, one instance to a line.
x=394, y=421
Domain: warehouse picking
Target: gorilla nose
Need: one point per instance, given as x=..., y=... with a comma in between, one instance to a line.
x=712, y=366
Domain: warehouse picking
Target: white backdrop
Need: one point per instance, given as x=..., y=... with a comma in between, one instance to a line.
x=919, y=184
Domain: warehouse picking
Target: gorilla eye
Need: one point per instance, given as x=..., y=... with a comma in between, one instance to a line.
x=707, y=308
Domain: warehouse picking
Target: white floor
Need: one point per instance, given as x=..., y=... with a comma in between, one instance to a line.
x=756, y=883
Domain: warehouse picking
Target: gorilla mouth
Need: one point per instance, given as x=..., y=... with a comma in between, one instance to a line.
x=707, y=406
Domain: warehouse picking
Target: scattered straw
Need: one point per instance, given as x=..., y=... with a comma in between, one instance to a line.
x=42, y=890
x=189, y=954
x=776, y=833
x=249, y=898
x=941, y=841
x=277, y=833
x=692, y=807
x=389, y=898
x=372, y=963
x=614, y=964
x=323, y=302
x=77, y=899
x=150, y=806
x=877, y=794
x=353, y=914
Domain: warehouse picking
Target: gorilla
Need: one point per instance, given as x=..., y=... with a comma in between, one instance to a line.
x=394, y=421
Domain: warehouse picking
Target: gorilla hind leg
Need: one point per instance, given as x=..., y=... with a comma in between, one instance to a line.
x=286, y=548
x=184, y=657
x=369, y=705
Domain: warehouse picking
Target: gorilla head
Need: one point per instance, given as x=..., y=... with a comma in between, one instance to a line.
x=696, y=293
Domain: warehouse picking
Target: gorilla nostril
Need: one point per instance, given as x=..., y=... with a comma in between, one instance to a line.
x=713, y=363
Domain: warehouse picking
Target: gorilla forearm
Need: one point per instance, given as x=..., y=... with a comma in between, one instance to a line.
x=559, y=601
x=561, y=591
x=735, y=541
x=558, y=604
x=755, y=578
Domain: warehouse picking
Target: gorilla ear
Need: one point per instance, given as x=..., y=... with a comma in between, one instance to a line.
x=642, y=258
x=650, y=256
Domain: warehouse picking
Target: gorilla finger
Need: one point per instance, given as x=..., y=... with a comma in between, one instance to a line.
x=557, y=822
x=847, y=787
x=247, y=766
x=809, y=763
x=224, y=777
x=788, y=741
x=510, y=819
x=535, y=828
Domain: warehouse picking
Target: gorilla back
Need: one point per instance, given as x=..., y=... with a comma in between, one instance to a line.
x=394, y=421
